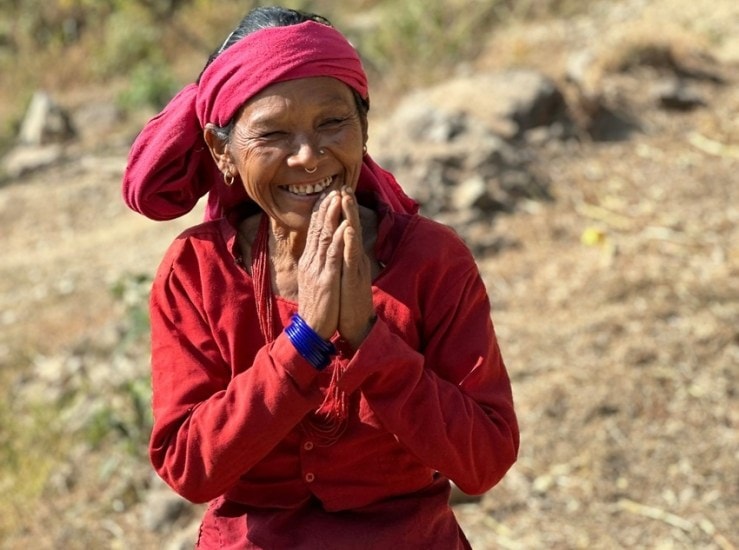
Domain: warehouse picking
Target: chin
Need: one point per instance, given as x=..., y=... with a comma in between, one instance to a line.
x=294, y=221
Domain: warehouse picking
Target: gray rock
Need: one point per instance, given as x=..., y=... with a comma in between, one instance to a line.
x=471, y=193
x=97, y=117
x=508, y=103
x=452, y=162
x=425, y=122
x=45, y=122
x=676, y=95
x=25, y=159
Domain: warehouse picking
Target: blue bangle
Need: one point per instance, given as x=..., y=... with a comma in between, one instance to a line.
x=309, y=344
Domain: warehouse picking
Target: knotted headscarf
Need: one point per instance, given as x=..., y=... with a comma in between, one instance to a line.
x=170, y=166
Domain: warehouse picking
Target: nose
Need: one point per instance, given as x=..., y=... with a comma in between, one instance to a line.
x=306, y=154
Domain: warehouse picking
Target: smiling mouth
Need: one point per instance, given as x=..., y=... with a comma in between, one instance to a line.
x=310, y=189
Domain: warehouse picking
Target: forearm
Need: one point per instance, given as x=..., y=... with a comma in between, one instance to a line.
x=205, y=437
x=469, y=435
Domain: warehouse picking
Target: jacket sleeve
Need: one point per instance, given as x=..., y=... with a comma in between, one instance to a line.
x=449, y=404
x=210, y=428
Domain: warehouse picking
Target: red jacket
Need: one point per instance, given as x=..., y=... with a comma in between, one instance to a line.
x=430, y=399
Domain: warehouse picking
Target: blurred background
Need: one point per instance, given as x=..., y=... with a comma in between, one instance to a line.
x=588, y=153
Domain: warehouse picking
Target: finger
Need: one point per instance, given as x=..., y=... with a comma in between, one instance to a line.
x=319, y=284
x=331, y=222
x=324, y=220
x=356, y=292
x=352, y=249
x=350, y=209
x=316, y=216
x=337, y=248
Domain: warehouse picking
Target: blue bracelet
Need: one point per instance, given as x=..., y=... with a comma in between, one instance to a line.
x=309, y=344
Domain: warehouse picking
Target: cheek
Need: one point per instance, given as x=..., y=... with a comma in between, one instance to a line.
x=254, y=160
x=257, y=169
x=349, y=143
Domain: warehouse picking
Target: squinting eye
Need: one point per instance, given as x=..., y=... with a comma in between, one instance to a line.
x=332, y=122
x=273, y=135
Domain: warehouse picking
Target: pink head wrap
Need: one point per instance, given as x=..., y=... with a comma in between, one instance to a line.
x=170, y=166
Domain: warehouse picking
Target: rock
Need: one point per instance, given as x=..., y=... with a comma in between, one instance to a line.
x=25, y=159
x=95, y=119
x=45, y=122
x=675, y=95
x=471, y=193
x=452, y=162
x=508, y=103
x=580, y=71
x=426, y=123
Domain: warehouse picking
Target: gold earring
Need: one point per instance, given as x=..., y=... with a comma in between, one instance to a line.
x=228, y=179
x=364, y=149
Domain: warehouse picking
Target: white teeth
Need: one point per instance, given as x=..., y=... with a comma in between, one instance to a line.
x=310, y=189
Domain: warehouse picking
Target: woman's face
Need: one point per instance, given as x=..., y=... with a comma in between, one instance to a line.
x=288, y=129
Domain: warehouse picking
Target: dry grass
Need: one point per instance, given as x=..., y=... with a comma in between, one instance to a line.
x=623, y=347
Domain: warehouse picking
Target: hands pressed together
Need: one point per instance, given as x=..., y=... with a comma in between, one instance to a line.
x=334, y=272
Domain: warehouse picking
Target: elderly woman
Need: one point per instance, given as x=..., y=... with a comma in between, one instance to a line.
x=324, y=361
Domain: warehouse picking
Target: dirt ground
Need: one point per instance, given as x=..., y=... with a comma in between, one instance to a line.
x=616, y=304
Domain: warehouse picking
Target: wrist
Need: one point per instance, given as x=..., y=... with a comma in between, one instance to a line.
x=358, y=336
x=309, y=344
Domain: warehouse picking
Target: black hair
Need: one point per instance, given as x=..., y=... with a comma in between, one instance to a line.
x=264, y=18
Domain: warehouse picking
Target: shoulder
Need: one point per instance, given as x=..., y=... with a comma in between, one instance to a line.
x=427, y=238
x=195, y=245
x=431, y=228
x=413, y=244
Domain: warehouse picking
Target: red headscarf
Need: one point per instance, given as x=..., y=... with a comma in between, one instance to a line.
x=170, y=166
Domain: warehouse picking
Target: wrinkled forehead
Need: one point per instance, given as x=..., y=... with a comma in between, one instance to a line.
x=296, y=94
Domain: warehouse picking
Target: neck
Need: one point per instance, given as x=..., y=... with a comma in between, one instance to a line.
x=283, y=254
x=286, y=245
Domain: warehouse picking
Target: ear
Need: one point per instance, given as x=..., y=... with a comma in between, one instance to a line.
x=219, y=150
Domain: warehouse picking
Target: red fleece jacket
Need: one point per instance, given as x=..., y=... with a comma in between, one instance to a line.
x=430, y=399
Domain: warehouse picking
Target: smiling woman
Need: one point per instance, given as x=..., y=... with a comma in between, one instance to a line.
x=324, y=360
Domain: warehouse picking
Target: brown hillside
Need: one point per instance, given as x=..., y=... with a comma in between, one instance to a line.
x=616, y=304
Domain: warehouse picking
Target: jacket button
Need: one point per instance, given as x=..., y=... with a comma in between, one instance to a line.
x=308, y=445
x=309, y=477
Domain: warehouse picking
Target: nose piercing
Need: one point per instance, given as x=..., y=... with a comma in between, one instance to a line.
x=321, y=152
